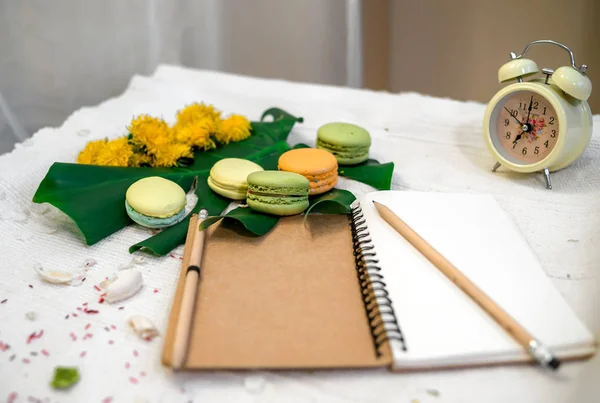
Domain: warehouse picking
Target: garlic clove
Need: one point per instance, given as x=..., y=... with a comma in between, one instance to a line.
x=53, y=276
x=127, y=284
x=143, y=327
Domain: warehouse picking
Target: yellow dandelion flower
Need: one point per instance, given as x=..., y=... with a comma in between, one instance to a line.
x=140, y=159
x=197, y=111
x=197, y=133
x=234, y=128
x=149, y=133
x=169, y=154
x=90, y=152
x=115, y=153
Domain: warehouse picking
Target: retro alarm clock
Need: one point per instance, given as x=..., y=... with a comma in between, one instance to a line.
x=539, y=125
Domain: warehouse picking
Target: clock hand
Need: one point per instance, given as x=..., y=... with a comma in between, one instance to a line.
x=529, y=113
x=518, y=138
x=514, y=117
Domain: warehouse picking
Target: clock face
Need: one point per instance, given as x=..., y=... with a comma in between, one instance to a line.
x=527, y=127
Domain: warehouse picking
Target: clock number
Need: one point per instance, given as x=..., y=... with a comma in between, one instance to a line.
x=514, y=113
x=546, y=143
x=522, y=106
x=551, y=121
x=536, y=151
x=506, y=122
x=508, y=135
x=553, y=133
x=544, y=110
x=524, y=151
x=535, y=105
x=514, y=144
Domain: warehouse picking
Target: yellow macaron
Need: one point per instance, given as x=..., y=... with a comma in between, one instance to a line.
x=155, y=202
x=228, y=177
x=318, y=166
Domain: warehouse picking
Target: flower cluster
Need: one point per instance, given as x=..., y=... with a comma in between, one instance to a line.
x=152, y=142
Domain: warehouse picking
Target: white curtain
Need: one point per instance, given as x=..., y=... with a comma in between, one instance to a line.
x=57, y=56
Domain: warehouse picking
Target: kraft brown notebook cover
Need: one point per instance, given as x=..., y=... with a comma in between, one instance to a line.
x=289, y=299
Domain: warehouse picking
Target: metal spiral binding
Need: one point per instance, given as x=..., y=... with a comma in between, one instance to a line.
x=378, y=305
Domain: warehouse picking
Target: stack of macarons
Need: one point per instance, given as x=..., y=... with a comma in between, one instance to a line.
x=155, y=202
x=270, y=192
x=347, y=142
x=301, y=173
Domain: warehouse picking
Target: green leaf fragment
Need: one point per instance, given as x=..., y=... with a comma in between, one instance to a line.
x=336, y=201
x=64, y=377
x=370, y=172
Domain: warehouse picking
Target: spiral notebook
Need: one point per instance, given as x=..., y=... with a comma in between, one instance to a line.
x=349, y=292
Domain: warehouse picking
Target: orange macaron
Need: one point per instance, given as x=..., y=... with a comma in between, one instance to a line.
x=318, y=166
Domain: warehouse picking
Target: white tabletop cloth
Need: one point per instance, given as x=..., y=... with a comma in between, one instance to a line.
x=436, y=144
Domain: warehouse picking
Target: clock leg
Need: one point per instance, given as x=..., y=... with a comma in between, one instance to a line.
x=495, y=167
x=547, y=177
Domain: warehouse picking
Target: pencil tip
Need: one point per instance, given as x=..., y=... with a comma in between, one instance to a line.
x=554, y=363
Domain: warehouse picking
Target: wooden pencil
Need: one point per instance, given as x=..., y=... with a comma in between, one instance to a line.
x=535, y=348
x=194, y=247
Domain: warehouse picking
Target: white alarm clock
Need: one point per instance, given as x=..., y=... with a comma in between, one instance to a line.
x=540, y=125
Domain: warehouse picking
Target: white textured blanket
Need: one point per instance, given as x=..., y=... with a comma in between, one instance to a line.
x=436, y=144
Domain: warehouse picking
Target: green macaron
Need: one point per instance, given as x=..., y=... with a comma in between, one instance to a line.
x=347, y=142
x=155, y=202
x=277, y=192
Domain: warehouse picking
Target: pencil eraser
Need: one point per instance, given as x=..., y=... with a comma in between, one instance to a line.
x=554, y=363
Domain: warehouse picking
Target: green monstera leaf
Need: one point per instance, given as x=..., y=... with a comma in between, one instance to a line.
x=94, y=196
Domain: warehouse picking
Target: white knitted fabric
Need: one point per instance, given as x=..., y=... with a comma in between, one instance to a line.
x=436, y=144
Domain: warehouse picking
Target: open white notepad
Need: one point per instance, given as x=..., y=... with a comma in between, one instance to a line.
x=441, y=325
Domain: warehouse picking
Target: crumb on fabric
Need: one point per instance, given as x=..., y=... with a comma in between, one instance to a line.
x=433, y=392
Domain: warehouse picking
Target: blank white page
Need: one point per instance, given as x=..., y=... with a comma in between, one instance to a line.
x=442, y=326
